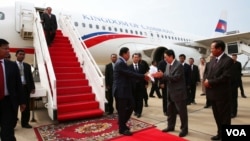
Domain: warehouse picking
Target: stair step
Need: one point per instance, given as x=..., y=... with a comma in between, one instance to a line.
x=68, y=69
x=72, y=82
x=67, y=76
x=73, y=90
x=75, y=98
x=66, y=64
x=77, y=106
x=64, y=48
x=80, y=115
x=62, y=58
x=54, y=53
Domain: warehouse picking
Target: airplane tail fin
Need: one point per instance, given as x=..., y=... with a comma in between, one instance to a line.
x=221, y=27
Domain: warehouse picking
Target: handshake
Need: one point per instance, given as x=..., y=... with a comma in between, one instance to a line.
x=148, y=76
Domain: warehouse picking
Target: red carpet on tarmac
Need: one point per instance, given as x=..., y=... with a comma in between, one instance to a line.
x=101, y=129
x=151, y=134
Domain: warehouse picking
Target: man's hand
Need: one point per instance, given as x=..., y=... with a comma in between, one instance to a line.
x=33, y=91
x=146, y=77
x=22, y=107
x=206, y=84
x=158, y=74
x=162, y=86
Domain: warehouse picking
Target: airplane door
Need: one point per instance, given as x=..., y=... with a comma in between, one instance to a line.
x=24, y=15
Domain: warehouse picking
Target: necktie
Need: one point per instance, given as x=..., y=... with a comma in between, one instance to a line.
x=215, y=63
x=1, y=81
x=136, y=68
x=21, y=69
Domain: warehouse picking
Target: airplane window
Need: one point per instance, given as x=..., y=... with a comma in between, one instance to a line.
x=97, y=26
x=175, y=38
x=158, y=35
x=162, y=36
x=76, y=23
x=131, y=31
x=152, y=35
x=121, y=30
x=110, y=29
x=140, y=33
x=83, y=25
x=126, y=30
x=172, y=38
x=136, y=32
x=145, y=33
x=103, y=27
x=2, y=16
x=166, y=36
x=90, y=25
x=115, y=29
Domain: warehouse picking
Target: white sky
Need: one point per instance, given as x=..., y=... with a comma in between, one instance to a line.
x=197, y=17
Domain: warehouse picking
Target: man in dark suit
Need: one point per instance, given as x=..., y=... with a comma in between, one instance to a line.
x=194, y=79
x=28, y=86
x=235, y=81
x=139, y=85
x=146, y=66
x=217, y=83
x=176, y=92
x=49, y=25
x=109, y=82
x=11, y=94
x=163, y=85
x=122, y=90
x=208, y=103
x=187, y=74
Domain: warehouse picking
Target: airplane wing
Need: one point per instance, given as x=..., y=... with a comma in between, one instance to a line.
x=226, y=38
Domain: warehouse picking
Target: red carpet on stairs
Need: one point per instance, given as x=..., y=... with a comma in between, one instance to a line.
x=151, y=134
x=75, y=99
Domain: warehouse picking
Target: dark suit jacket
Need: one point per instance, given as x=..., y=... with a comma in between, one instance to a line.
x=109, y=75
x=219, y=78
x=187, y=73
x=28, y=77
x=14, y=84
x=176, y=86
x=142, y=70
x=122, y=86
x=49, y=23
x=236, y=73
x=195, y=76
x=162, y=67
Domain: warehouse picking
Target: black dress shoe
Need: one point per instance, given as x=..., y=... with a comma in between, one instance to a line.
x=27, y=126
x=206, y=106
x=233, y=115
x=126, y=133
x=138, y=115
x=215, y=138
x=168, y=129
x=183, y=133
x=244, y=96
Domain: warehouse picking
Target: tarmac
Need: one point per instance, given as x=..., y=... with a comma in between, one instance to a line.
x=200, y=120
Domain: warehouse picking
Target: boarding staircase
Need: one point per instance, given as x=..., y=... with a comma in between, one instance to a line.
x=74, y=82
x=75, y=98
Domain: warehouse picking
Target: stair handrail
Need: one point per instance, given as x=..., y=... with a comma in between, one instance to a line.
x=93, y=72
x=46, y=71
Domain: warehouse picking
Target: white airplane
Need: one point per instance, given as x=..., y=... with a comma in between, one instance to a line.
x=101, y=36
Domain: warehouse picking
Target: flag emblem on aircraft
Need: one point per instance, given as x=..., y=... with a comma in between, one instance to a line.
x=221, y=26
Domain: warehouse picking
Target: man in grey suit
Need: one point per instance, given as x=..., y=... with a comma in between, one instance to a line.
x=176, y=93
x=217, y=83
x=122, y=90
